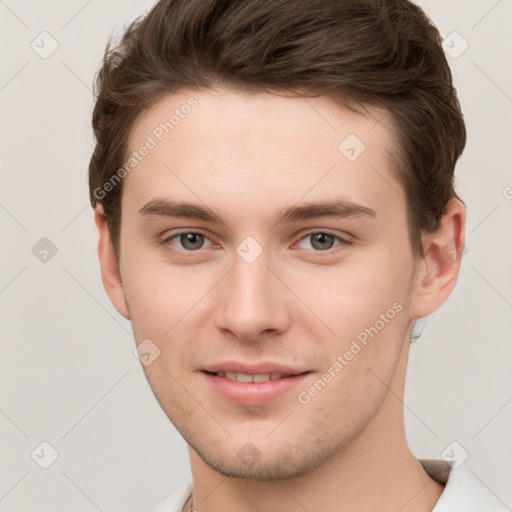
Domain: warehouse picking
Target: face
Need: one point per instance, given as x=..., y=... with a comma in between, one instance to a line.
x=265, y=237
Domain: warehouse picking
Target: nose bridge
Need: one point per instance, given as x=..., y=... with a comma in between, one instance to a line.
x=249, y=301
x=251, y=279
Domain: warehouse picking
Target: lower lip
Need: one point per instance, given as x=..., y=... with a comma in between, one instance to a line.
x=253, y=393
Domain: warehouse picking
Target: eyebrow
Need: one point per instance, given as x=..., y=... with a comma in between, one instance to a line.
x=339, y=208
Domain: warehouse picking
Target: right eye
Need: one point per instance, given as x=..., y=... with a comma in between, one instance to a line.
x=187, y=241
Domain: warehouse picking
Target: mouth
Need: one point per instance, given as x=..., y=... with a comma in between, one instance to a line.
x=253, y=389
x=247, y=377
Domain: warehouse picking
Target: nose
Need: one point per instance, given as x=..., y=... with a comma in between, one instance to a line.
x=251, y=302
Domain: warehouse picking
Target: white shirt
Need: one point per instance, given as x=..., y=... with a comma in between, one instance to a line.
x=462, y=492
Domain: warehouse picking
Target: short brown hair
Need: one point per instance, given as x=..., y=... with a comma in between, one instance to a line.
x=374, y=52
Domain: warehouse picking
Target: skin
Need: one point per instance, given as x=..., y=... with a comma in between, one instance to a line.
x=246, y=157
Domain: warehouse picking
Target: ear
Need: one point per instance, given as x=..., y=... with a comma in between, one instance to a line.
x=438, y=270
x=110, y=273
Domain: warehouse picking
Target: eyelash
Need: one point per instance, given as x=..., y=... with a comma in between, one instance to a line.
x=342, y=242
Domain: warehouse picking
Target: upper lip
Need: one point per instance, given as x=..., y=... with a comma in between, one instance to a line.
x=261, y=368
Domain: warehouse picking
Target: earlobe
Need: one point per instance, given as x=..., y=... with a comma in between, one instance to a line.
x=439, y=269
x=110, y=274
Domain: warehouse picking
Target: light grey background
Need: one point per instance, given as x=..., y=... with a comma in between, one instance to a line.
x=67, y=372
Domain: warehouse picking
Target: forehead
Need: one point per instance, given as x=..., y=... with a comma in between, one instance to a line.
x=288, y=118
x=221, y=142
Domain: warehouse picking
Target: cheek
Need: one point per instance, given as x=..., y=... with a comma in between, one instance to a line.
x=367, y=311
x=349, y=297
x=161, y=296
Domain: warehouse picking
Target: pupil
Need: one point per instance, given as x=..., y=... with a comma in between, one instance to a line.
x=192, y=241
x=322, y=238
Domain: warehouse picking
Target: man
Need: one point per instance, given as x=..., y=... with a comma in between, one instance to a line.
x=273, y=188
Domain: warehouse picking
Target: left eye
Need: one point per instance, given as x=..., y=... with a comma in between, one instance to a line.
x=321, y=241
x=189, y=241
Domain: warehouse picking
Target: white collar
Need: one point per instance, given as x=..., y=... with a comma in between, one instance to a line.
x=463, y=491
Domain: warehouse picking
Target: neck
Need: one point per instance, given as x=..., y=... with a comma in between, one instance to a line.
x=376, y=471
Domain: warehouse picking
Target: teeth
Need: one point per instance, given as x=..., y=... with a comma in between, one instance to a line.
x=261, y=378
x=245, y=377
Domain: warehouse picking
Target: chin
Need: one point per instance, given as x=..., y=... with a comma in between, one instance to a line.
x=274, y=463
